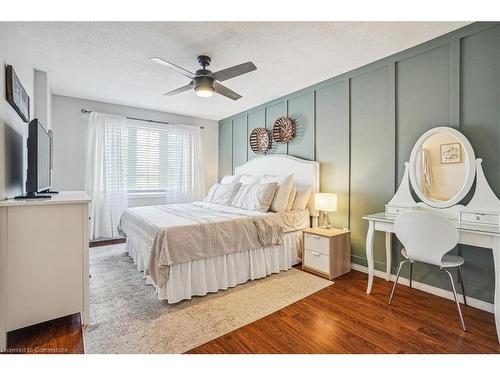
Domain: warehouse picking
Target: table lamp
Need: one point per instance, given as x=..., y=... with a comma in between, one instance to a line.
x=325, y=203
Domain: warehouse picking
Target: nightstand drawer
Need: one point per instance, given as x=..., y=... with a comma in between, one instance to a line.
x=317, y=261
x=316, y=243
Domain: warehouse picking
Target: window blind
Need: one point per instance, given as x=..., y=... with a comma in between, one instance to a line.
x=159, y=159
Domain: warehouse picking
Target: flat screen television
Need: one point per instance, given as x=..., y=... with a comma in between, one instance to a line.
x=39, y=160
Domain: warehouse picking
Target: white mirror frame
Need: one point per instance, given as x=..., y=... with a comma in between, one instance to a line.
x=470, y=165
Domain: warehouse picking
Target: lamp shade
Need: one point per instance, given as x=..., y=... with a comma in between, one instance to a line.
x=325, y=202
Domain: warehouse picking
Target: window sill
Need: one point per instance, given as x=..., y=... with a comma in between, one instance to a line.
x=147, y=195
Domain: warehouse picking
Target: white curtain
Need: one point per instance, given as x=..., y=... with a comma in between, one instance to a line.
x=125, y=155
x=106, y=181
x=197, y=180
x=426, y=172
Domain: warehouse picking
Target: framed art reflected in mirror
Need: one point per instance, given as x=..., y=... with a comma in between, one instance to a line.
x=450, y=153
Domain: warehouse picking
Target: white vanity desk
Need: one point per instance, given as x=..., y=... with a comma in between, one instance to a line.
x=478, y=223
x=469, y=234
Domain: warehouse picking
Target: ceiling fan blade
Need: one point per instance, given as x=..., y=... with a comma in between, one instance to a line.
x=180, y=89
x=223, y=90
x=172, y=66
x=234, y=71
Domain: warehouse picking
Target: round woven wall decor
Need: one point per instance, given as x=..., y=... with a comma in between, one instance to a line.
x=283, y=130
x=260, y=141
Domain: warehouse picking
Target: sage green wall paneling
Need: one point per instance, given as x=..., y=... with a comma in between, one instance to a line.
x=422, y=99
x=301, y=111
x=480, y=122
x=332, y=146
x=225, y=148
x=480, y=99
x=422, y=103
x=451, y=80
x=274, y=112
x=372, y=169
x=240, y=140
x=255, y=120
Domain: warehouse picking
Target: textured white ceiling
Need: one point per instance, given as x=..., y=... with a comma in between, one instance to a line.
x=108, y=62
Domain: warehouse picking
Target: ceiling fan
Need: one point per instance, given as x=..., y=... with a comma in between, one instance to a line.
x=205, y=82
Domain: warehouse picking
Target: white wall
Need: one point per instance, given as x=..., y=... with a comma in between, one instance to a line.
x=70, y=128
x=42, y=106
x=13, y=131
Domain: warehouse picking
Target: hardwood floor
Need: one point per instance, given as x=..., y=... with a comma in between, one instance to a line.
x=105, y=242
x=58, y=336
x=341, y=318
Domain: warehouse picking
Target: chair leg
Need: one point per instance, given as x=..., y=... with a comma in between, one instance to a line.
x=456, y=299
x=396, y=281
x=411, y=272
x=461, y=276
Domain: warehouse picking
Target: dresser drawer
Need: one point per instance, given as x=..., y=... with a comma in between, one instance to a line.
x=317, y=261
x=479, y=218
x=316, y=243
x=396, y=210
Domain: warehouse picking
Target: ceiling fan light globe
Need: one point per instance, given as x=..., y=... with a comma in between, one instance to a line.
x=204, y=92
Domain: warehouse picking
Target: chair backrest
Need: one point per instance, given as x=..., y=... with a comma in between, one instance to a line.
x=425, y=235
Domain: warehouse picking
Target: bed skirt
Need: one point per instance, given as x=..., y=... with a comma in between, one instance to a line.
x=202, y=276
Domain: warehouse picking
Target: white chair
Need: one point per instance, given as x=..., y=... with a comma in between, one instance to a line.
x=427, y=237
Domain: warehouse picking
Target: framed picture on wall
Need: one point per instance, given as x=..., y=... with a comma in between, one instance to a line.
x=450, y=153
x=16, y=94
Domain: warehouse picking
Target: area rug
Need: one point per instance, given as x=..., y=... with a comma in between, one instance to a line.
x=127, y=317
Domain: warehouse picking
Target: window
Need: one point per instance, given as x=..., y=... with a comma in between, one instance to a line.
x=159, y=159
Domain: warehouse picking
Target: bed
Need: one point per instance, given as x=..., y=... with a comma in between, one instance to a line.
x=213, y=247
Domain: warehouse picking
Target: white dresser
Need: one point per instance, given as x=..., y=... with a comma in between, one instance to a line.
x=43, y=260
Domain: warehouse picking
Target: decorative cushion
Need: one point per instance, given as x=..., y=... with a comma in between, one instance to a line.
x=222, y=193
x=285, y=185
x=247, y=179
x=255, y=197
x=301, y=199
x=228, y=179
x=293, y=193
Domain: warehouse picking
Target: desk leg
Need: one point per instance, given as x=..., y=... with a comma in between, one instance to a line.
x=388, y=255
x=496, y=260
x=369, y=254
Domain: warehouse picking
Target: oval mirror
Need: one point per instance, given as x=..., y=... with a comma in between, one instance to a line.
x=442, y=167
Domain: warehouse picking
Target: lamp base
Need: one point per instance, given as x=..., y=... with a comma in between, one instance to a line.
x=325, y=220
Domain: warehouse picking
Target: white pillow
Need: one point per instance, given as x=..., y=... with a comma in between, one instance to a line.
x=255, y=197
x=247, y=179
x=293, y=193
x=222, y=193
x=285, y=185
x=301, y=199
x=228, y=179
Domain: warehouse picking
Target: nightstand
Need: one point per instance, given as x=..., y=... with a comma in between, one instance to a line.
x=327, y=252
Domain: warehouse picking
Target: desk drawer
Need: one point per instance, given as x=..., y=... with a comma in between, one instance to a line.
x=317, y=243
x=479, y=218
x=396, y=210
x=317, y=261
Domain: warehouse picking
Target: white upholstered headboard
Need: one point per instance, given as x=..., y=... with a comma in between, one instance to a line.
x=306, y=172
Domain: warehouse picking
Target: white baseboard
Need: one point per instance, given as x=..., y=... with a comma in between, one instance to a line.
x=478, y=304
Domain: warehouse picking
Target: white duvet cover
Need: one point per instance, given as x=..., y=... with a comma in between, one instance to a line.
x=180, y=233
